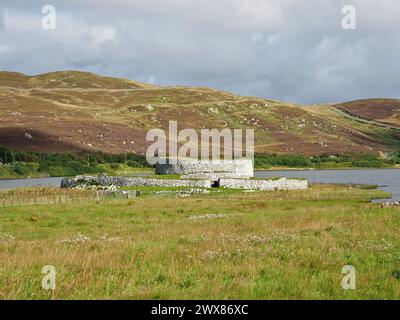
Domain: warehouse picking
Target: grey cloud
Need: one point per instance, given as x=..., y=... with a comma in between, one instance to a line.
x=1, y=18
x=293, y=50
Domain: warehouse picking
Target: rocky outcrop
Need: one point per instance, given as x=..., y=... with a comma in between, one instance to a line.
x=103, y=180
x=241, y=168
x=280, y=184
x=390, y=204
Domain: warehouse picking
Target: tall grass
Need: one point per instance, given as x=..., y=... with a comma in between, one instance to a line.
x=264, y=245
x=44, y=196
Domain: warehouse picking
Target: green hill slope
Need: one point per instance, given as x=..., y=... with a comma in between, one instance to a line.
x=72, y=111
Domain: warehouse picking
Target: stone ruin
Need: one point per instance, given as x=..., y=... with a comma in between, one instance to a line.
x=206, y=169
x=232, y=174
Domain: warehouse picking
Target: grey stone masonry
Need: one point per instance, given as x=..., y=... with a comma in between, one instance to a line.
x=213, y=176
x=240, y=168
x=104, y=180
x=280, y=184
x=127, y=194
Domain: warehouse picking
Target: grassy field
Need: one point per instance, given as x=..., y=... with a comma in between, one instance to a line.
x=263, y=245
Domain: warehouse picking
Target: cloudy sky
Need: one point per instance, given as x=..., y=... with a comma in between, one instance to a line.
x=293, y=50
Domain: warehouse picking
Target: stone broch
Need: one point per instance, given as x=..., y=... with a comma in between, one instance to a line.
x=206, y=169
x=233, y=174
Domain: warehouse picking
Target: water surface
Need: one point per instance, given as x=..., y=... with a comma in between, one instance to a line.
x=34, y=182
x=387, y=179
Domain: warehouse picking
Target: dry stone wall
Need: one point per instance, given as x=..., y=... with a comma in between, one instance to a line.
x=103, y=180
x=280, y=184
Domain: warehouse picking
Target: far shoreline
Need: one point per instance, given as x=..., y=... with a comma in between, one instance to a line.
x=145, y=170
x=324, y=169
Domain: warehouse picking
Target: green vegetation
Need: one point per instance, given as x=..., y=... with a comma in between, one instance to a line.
x=349, y=160
x=67, y=79
x=263, y=245
x=17, y=164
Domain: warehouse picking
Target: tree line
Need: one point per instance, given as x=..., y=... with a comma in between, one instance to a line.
x=14, y=163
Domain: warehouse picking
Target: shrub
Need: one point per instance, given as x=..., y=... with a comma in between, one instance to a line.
x=114, y=166
x=23, y=169
x=134, y=164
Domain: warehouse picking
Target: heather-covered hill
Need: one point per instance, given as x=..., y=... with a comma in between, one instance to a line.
x=72, y=111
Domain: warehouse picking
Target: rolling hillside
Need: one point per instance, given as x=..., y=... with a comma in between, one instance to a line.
x=381, y=111
x=73, y=111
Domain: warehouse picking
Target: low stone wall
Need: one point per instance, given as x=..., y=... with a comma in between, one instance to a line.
x=104, y=180
x=119, y=194
x=236, y=168
x=101, y=181
x=281, y=184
